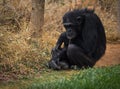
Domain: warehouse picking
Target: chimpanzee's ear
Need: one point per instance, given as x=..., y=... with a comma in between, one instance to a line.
x=80, y=19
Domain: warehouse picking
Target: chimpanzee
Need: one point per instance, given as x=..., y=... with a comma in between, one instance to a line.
x=84, y=40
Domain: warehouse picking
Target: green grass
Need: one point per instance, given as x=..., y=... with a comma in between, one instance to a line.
x=92, y=78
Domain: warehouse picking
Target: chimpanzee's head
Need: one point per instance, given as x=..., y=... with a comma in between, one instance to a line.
x=73, y=21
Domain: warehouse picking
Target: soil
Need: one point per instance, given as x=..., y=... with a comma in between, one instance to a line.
x=111, y=57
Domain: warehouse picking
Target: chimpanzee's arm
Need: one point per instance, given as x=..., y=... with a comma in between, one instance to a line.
x=61, y=39
x=58, y=53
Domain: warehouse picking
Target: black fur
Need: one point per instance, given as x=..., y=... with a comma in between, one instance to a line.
x=84, y=39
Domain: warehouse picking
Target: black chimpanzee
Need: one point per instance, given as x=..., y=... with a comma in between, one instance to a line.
x=84, y=41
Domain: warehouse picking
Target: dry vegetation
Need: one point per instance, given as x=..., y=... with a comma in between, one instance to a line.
x=22, y=54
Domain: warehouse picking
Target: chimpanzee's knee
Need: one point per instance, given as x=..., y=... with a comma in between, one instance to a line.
x=76, y=56
x=73, y=50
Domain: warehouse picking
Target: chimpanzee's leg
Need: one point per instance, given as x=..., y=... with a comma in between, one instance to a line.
x=64, y=62
x=63, y=54
x=77, y=57
x=59, y=59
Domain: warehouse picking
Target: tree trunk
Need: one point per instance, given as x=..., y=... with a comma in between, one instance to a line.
x=37, y=17
x=118, y=7
x=119, y=13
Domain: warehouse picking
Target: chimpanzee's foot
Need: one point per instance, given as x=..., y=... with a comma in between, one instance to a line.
x=63, y=65
x=52, y=65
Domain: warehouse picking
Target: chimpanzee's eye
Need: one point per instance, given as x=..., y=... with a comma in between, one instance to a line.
x=69, y=26
x=66, y=26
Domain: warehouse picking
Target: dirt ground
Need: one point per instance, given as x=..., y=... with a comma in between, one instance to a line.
x=111, y=57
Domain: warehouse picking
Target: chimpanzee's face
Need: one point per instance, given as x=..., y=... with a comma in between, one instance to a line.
x=72, y=25
x=70, y=30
